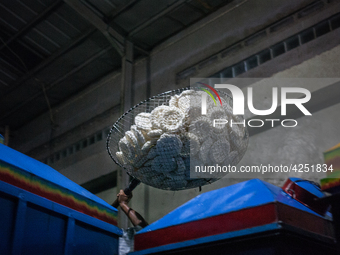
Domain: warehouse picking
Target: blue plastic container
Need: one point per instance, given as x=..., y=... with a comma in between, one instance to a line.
x=32, y=224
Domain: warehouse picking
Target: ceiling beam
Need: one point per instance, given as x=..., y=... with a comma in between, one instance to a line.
x=117, y=41
x=33, y=22
x=84, y=11
x=22, y=43
x=116, y=45
x=157, y=16
x=51, y=85
x=93, y=8
x=47, y=61
x=122, y=8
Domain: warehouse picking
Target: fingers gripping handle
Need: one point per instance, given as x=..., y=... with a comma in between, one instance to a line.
x=128, y=190
x=133, y=184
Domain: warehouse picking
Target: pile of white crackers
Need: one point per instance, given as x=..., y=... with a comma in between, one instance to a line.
x=162, y=145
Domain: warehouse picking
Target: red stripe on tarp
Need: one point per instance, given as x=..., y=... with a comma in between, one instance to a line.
x=55, y=197
x=304, y=220
x=246, y=218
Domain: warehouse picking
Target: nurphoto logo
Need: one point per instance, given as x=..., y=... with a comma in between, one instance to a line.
x=239, y=104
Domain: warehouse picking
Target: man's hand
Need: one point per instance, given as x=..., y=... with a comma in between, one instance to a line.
x=123, y=198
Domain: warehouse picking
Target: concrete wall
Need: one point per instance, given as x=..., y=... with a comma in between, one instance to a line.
x=303, y=144
x=97, y=108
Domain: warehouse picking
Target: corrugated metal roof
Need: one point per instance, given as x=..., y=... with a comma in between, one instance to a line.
x=48, y=45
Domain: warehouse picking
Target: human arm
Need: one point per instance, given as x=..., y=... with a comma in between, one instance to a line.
x=134, y=217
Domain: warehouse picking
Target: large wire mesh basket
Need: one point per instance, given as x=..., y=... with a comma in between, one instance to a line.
x=160, y=139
